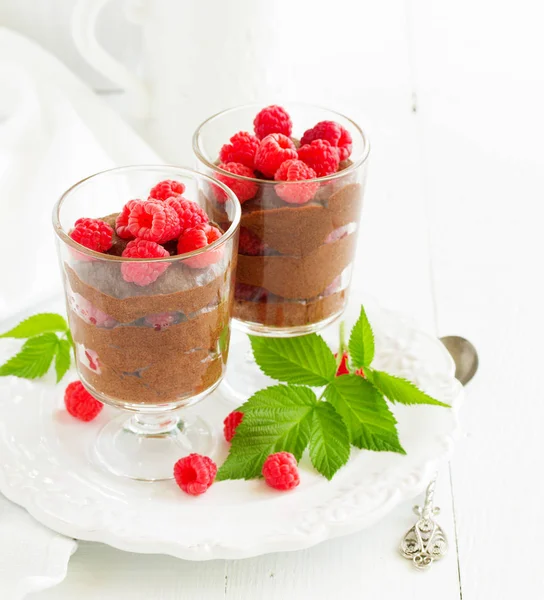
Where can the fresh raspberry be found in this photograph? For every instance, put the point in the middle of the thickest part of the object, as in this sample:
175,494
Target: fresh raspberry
161,321
195,473
272,119
89,313
230,424
79,403
241,149
143,273
332,132
274,150
189,213
250,244
243,189
199,237
250,293
297,193
153,221
280,471
121,223
321,156
93,234
166,189
343,366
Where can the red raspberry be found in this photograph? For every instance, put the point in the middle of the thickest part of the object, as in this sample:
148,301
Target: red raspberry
121,223
93,362
250,244
89,313
274,150
153,221
199,237
143,273
250,293
280,471
321,156
272,119
189,213
343,366
332,132
93,234
241,149
230,424
195,473
243,189
161,321
79,403
166,189
297,193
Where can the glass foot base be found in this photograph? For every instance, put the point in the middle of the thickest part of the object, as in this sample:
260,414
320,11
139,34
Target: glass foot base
146,447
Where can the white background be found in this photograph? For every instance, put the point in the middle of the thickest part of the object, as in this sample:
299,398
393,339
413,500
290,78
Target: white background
453,96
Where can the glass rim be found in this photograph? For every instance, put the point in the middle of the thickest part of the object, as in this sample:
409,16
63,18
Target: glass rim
225,236
355,165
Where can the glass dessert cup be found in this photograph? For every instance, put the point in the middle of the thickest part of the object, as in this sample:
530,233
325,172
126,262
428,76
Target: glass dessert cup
150,349
295,259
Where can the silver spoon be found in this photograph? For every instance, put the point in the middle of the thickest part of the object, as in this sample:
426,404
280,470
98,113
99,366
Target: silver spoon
425,542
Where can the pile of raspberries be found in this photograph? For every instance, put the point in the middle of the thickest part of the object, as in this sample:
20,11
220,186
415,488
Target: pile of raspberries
273,154
166,216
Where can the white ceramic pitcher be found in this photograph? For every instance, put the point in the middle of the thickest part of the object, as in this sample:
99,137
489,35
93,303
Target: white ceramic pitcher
202,56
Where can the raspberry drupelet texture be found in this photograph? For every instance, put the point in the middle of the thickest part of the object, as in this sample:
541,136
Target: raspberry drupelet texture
79,403
230,424
195,473
166,189
280,471
240,149
274,150
244,190
272,119
196,238
121,223
250,244
189,213
332,132
320,156
154,221
142,273
296,170
93,234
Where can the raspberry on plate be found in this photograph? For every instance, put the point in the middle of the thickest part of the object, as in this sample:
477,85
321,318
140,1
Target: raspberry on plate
280,471
94,234
274,150
321,156
272,119
79,403
240,149
299,193
153,221
166,189
195,473
143,273
121,222
332,132
230,424
189,213
250,244
243,189
196,238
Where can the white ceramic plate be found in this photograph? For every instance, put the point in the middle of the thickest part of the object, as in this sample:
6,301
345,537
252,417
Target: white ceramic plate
45,466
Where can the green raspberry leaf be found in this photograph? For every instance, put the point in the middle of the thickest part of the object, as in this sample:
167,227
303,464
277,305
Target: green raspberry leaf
275,419
62,358
329,440
365,412
361,342
34,359
400,390
301,360
41,323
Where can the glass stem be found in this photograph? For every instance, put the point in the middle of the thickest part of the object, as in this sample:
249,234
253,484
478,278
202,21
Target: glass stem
153,424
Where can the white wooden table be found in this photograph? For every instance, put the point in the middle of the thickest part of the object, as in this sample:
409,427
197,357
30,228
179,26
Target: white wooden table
452,235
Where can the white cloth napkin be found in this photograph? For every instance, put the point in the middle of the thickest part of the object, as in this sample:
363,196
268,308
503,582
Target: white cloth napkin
53,132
